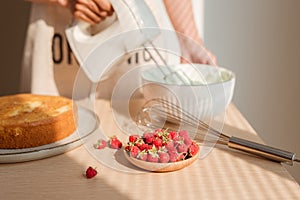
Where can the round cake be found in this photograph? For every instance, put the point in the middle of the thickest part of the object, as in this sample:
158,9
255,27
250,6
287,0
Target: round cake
28,120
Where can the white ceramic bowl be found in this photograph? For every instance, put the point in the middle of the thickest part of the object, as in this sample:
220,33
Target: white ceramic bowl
201,90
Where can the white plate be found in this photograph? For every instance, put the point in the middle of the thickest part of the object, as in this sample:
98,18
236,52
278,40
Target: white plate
87,124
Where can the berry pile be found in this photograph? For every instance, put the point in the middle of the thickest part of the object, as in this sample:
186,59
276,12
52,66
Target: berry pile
162,146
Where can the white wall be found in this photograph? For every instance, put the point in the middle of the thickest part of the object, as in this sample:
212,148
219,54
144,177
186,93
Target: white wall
260,41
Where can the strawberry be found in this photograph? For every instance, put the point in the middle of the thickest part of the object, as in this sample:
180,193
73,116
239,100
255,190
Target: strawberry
134,151
133,138
148,138
178,140
172,134
142,155
157,143
163,134
193,149
163,157
144,147
150,146
159,130
101,144
90,172
139,142
169,145
182,148
152,155
115,143
160,146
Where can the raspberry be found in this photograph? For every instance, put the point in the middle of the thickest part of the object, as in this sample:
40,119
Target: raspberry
187,141
101,144
128,148
161,146
163,157
172,150
183,133
152,157
178,140
115,143
90,172
173,157
182,148
169,145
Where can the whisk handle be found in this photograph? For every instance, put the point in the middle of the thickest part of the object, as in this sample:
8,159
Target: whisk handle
262,150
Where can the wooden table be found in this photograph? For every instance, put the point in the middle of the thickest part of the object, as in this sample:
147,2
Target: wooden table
223,174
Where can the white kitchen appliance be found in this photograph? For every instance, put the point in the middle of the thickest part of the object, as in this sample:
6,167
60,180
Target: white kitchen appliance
131,26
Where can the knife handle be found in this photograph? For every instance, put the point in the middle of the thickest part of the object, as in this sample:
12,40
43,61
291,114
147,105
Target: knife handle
262,150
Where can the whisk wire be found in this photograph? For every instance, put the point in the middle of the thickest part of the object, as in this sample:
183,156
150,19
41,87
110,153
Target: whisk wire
170,72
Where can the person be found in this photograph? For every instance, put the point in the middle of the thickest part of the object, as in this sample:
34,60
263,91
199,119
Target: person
49,66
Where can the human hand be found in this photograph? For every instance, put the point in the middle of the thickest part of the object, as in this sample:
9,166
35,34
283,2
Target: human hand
195,52
90,11
202,56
